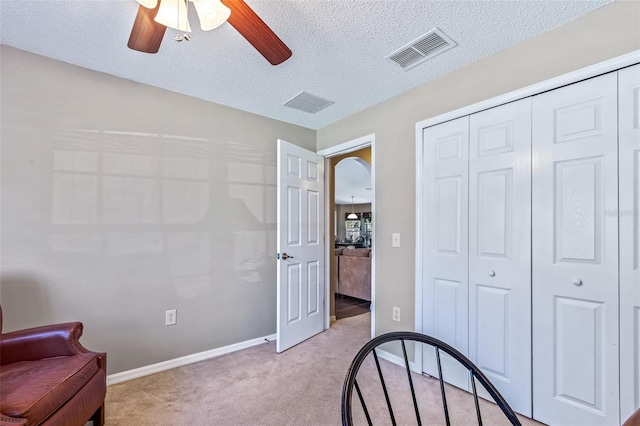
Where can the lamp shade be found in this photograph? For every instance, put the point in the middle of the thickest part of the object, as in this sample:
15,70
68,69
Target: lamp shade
149,4
173,14
212,13
353,214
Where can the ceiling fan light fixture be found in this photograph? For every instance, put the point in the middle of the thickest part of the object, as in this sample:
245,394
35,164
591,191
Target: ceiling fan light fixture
212,13
173,14
149,4
150,25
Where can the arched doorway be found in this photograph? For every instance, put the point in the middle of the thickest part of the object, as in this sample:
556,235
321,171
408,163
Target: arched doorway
352,226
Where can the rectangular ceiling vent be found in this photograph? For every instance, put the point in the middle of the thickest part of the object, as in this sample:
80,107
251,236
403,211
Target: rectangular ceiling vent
307,102
424,47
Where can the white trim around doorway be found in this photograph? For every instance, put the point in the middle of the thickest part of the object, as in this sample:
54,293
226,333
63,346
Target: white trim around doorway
345,148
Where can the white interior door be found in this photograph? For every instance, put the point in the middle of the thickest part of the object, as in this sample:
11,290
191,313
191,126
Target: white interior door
500,249
300,241
446,255
629,134
575,254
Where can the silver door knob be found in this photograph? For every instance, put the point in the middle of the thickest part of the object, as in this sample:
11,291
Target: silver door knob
577,282
492,273
285,256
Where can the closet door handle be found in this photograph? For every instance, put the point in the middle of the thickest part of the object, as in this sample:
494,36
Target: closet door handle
492,273
577,282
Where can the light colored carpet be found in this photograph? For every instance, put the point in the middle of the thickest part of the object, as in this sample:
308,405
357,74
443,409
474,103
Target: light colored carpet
301,386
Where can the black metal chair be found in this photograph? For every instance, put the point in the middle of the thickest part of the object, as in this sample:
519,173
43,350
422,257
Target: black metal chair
350,381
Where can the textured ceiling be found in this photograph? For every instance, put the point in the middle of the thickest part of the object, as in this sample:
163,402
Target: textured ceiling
338,47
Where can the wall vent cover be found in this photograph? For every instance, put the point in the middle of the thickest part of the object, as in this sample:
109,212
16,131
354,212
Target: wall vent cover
419,50
307,102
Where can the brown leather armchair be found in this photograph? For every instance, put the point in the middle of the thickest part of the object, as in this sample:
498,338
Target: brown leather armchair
48,378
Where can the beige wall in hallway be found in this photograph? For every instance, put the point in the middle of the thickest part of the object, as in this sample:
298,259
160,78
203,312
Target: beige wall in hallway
608,32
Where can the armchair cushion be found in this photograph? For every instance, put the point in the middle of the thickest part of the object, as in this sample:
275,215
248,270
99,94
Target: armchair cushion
35,389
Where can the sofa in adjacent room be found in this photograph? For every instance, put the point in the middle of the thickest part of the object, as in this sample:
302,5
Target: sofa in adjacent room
354,272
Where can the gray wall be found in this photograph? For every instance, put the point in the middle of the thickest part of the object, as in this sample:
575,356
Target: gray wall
606,33
121,200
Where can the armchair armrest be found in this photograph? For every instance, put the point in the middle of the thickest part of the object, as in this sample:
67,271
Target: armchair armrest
41,342
11,421
634,420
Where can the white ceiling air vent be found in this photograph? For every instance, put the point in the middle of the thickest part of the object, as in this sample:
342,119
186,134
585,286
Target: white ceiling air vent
308,103
424,47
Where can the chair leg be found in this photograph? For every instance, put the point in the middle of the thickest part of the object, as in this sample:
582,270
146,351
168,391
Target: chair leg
98,416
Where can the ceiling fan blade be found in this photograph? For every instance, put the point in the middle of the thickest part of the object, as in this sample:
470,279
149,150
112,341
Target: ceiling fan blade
146,34
251,27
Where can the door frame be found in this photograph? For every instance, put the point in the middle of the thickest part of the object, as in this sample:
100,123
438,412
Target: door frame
594,70
345,148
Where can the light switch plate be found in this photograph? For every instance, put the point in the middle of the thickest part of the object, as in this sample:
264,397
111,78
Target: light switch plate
395,239
396,314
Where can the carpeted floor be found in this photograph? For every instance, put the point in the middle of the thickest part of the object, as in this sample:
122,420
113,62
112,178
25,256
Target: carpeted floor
301,386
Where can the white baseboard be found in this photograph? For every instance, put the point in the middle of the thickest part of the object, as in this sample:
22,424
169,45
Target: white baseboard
397,360
123,376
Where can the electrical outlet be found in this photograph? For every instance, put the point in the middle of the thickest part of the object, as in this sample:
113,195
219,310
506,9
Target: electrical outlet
395,240
170,317
396,314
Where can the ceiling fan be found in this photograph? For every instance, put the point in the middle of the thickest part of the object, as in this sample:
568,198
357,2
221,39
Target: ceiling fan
154,16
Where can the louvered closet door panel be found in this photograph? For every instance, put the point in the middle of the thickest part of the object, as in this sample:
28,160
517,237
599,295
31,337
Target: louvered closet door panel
500,249
445,224
575,254
629,131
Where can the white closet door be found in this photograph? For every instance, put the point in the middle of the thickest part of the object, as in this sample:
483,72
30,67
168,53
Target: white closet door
629,131
445,286
500,249
575,254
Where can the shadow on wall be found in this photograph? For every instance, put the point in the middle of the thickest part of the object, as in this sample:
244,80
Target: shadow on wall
25,301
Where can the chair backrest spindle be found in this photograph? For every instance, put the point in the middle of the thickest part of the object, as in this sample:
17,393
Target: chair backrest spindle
442,392
475,397
413,392
384,388
364,406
